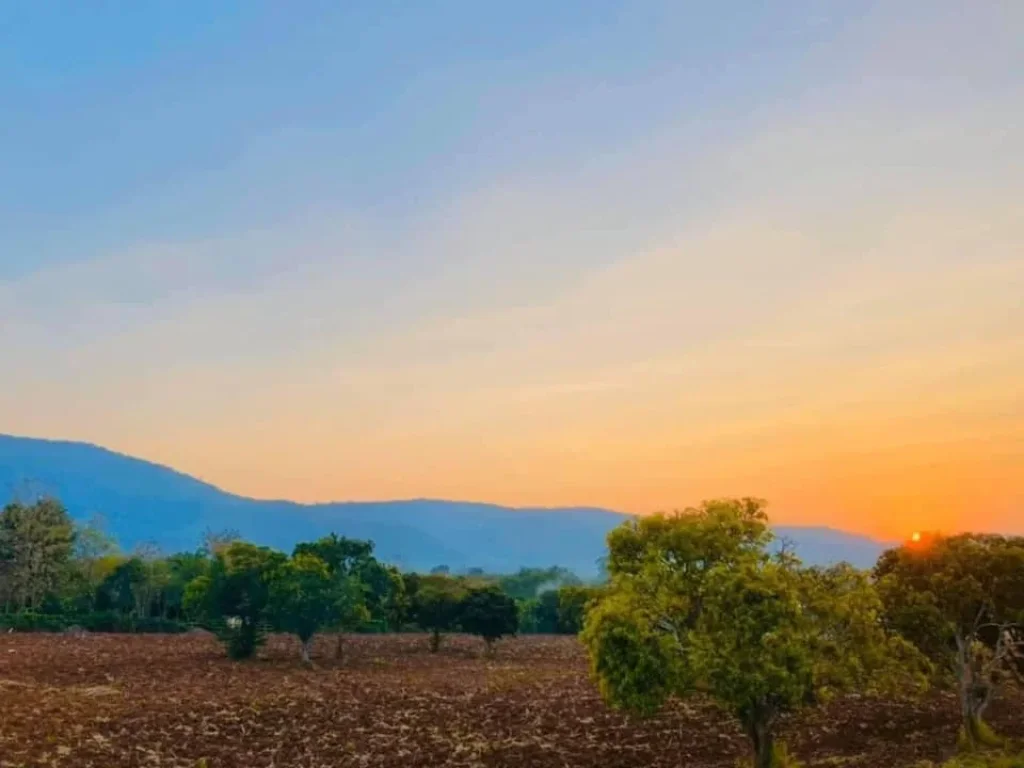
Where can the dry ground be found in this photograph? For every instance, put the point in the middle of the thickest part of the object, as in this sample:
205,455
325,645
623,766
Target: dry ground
109,701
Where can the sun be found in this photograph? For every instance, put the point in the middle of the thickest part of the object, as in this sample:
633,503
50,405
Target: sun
915,536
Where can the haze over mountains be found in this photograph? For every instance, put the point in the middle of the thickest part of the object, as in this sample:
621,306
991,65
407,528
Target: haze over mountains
144,502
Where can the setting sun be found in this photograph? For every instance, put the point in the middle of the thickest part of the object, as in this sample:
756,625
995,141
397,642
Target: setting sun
915,536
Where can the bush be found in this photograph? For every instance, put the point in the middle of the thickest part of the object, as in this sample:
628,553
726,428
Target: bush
96,621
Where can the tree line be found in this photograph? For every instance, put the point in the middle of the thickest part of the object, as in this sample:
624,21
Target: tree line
56,574
696,603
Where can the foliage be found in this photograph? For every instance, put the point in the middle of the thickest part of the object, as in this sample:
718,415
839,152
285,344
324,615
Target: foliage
573,604
117,592
696,605
93,621
540,615
383,591
960,600
234,596
557,611
488,612
435,605
304,598
36,544
529,583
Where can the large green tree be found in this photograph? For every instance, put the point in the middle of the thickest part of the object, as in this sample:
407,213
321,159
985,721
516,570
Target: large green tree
382,585
304,599
960,599
697,605
362,587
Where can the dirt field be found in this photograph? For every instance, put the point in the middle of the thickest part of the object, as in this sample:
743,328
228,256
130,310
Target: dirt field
109,701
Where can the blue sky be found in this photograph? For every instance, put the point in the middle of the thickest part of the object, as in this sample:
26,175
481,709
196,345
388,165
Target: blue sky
184,120
356,250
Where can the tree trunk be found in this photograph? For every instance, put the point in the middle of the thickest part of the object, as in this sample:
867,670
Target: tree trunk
759,724
305,648
975,693
435,641
339,647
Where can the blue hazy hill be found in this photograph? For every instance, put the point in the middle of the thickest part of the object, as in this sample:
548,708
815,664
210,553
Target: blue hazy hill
141,501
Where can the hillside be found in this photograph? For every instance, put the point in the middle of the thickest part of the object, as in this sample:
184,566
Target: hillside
141,501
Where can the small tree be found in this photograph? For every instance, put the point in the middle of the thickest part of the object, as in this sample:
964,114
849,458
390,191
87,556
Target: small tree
360,583
303,599
435,605
234,596
489,613
960,600
696,605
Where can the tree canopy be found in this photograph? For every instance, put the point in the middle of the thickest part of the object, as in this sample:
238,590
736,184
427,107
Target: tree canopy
489,613
36,543
960,600
235,595
697,605
435,605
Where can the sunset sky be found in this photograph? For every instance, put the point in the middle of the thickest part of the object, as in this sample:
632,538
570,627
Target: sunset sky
620,254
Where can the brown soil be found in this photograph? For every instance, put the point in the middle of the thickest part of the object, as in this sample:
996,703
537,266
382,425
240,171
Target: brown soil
109,701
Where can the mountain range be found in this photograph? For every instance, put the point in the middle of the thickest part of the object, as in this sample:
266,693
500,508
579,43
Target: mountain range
144,502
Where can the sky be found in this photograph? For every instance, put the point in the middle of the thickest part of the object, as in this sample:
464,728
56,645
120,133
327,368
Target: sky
631,255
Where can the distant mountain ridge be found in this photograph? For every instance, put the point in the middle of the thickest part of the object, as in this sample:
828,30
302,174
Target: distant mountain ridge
142,501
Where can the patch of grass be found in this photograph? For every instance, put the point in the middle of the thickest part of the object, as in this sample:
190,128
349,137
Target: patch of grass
986,738
980,760
781,758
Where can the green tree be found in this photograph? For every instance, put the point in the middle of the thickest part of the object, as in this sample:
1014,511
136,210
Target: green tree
489,613
573,602
557,611
540,615
36,544
435,605
363,587
149,592
960,600
234,596
122,589
382,585
340,554
304,599
697,605
183,568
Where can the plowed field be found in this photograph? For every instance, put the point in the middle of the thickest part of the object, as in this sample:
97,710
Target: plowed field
109,701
